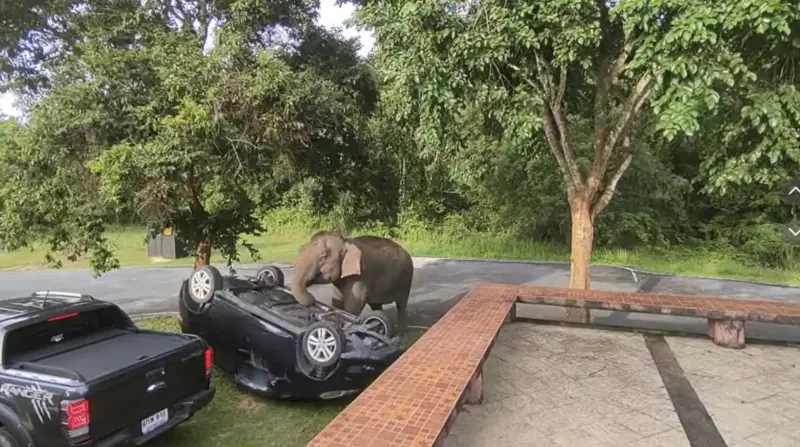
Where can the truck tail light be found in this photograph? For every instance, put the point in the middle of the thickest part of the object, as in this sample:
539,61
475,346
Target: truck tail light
75,417
209,361
62,317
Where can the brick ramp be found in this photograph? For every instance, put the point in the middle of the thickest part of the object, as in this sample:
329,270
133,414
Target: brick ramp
413,402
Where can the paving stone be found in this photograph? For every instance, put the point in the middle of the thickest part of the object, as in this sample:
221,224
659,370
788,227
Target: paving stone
603,390
579,437
749,393
642,424
508,431
670,438
614,434
745,443
773,439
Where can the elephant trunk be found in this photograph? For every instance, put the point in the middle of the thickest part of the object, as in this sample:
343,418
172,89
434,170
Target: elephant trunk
304,272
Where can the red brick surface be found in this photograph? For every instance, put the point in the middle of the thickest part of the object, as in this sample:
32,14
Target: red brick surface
410,403
683,305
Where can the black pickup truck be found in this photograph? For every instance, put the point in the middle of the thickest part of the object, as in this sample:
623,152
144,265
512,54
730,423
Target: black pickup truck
76,371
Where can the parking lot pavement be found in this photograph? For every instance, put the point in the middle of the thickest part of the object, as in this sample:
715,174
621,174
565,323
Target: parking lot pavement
553,386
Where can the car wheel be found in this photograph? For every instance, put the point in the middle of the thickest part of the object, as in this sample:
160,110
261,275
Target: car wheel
7,439
204,283
379,322
322,344
271,276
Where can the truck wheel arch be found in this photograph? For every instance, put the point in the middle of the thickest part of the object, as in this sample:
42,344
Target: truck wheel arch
11,422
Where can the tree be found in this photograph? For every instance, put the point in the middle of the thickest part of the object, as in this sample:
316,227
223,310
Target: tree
183,110
530,69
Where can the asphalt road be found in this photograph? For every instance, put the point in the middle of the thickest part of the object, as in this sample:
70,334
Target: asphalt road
438,285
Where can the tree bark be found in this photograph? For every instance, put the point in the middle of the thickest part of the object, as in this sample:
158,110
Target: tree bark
581,256
203,257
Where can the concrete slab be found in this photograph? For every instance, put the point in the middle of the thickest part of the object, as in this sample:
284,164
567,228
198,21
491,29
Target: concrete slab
753,395
554,386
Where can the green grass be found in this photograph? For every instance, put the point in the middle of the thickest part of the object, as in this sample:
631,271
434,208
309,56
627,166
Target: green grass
237,419
281,246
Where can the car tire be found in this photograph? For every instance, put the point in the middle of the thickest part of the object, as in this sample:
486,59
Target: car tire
322,344
7,439
379,322
203,284
271,276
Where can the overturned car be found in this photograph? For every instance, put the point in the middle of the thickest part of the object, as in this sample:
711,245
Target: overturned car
273,346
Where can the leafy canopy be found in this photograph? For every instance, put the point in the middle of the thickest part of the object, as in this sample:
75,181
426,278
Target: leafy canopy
184,112
449,65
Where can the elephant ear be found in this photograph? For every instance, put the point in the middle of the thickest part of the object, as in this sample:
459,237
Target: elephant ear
351,261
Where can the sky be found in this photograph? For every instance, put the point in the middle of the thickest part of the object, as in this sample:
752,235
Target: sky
330,16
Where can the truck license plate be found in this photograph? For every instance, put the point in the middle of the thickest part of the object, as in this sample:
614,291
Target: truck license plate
153,422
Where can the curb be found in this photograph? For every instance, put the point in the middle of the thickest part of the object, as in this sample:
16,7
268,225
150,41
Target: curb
633,270
144,316
630,270
711,278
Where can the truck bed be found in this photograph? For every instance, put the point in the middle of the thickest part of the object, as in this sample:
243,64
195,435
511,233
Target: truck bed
107,352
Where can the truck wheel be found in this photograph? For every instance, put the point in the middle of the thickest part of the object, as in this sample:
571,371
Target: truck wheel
378,321
6,439
204,283
271,276
322,344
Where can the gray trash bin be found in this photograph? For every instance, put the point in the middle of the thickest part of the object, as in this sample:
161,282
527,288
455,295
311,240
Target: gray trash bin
166,245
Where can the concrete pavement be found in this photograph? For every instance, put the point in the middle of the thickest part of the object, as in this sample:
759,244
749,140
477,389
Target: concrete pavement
550,386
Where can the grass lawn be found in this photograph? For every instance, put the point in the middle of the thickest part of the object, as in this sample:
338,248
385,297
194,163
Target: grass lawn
237,419
282,247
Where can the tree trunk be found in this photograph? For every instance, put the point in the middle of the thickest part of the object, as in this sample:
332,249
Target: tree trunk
203,257
581,256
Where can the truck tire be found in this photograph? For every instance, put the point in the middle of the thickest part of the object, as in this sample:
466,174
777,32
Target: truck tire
7,439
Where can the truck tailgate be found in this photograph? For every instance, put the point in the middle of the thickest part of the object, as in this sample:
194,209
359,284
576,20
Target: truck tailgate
135,375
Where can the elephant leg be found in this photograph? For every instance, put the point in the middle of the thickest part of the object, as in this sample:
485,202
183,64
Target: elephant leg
354,295
376,306
402,305
337,300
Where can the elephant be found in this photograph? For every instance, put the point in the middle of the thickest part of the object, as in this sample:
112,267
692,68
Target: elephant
365,269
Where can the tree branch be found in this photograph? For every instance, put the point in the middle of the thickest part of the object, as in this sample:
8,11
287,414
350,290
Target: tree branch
611,187
554,136
204,21
554,100
621,63
555,147
630,110
607,77
186,21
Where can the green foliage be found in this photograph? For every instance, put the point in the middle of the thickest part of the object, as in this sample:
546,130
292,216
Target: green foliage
243,116
141,116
